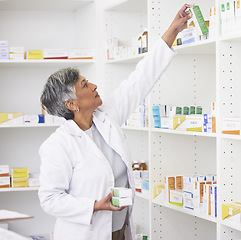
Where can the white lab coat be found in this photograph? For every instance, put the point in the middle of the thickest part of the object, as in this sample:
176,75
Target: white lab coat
74,172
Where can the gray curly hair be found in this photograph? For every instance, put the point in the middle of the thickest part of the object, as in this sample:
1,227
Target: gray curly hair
59,88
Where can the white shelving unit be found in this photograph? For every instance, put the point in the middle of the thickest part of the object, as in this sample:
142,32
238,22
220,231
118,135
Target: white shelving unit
36,25
200,73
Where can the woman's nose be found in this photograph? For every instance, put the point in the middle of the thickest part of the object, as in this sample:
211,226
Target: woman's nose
93,87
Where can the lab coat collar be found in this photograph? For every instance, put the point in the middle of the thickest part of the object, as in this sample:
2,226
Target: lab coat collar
101,121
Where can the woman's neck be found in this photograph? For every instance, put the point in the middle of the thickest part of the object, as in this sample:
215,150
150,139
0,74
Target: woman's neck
84,121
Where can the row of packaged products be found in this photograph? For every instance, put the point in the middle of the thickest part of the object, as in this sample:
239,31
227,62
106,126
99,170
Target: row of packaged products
17,177
19,53
186,118
139,118
117,50
197,192
230,14
141,180
18,118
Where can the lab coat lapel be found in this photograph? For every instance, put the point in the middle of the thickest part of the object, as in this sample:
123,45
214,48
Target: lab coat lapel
103,125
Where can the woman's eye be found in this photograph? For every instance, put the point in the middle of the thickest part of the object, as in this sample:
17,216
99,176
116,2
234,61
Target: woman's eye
85,85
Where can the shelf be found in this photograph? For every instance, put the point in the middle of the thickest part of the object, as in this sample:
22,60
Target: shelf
232,137
133,59
127,6
231,224
40,125
44,63
236,37
200,134
135,128
47,5
186,211
142,195
203,47
19,189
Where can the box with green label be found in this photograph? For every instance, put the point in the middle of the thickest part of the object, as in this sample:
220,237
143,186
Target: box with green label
122,192
198,20
121,202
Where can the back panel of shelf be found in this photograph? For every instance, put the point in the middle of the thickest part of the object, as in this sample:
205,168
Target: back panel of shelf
180,155
141,216
189,79
227,233
172,225
138,144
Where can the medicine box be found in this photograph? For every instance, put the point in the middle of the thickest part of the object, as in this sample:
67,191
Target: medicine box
145,186
138,184
188,200
122,192
4,182
198,20
231,125
157,190
31,119
33,182
80,54
4,170
55,54
19,172
176,197
19,182
189,35
16,50
121,202
169,185
11,118
34,54
231,211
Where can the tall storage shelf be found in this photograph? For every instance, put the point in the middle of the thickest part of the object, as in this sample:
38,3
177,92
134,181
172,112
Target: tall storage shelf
36,25
200,73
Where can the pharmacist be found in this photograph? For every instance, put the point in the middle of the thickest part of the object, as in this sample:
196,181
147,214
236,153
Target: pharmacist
88,154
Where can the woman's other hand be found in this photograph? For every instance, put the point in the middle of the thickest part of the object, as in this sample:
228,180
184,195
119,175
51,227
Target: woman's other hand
105,204
177,25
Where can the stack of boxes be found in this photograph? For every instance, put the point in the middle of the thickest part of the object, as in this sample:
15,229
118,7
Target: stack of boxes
4,176
16,53
4,54
197,193
139,118
186,118
19,177
122,197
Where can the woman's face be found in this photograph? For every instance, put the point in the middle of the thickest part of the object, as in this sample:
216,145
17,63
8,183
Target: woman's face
86,94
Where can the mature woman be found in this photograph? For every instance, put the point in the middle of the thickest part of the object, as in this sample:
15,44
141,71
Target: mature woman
88,154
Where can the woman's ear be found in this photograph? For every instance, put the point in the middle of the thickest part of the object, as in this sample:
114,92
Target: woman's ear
71,105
